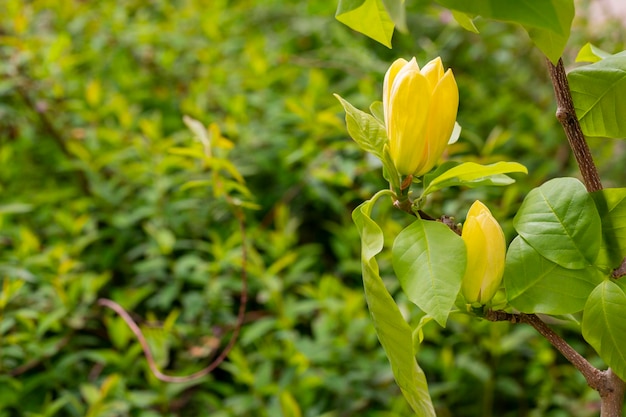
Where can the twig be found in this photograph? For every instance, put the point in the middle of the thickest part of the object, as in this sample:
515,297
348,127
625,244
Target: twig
593,376
566,114
620,271
240,319
610,387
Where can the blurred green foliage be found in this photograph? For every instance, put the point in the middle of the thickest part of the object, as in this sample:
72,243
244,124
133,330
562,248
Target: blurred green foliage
102,194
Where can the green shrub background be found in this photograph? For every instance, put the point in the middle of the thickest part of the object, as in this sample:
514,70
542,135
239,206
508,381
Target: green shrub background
95,202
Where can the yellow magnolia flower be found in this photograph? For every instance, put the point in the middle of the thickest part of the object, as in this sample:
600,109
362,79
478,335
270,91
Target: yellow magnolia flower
420,109
486,251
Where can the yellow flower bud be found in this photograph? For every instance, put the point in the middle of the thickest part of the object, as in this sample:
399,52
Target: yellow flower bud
420,108
486,250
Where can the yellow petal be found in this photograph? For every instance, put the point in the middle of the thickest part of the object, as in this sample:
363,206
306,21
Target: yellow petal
495,256
475,242
442,115
390,76
486,250
408,111
433,71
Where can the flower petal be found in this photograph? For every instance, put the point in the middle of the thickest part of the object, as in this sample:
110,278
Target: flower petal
390,76
443,111
408,112
433,71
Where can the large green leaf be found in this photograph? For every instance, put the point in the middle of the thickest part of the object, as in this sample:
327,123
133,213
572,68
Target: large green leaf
611,204
598,91
393,331
536,285
429,260
561,222
604,326
471,174
549,42
547,22
365,129
370,17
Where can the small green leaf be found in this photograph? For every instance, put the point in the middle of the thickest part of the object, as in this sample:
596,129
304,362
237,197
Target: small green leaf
604,326
289,405
611,204
418,331
376,108
465,21
369,17
591,53
471,174
429,260
598,91
390,172
396,10
365,129
547,22
394,333
536,285
561,222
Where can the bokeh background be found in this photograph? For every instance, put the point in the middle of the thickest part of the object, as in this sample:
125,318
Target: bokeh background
95,168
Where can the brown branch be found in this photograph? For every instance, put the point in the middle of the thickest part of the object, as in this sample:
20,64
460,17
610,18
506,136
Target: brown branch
566,114
240,319
612,397
406,205
620,271
593,376
610,387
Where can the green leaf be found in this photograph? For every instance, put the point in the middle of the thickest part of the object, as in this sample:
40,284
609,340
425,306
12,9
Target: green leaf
396,10
471,174
561,222
377,110
550,43
598,92
393,331
611,204
370,17
465,21
604,326
429,260
365,129
390,172
547,22
536,285
447,165
591,53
